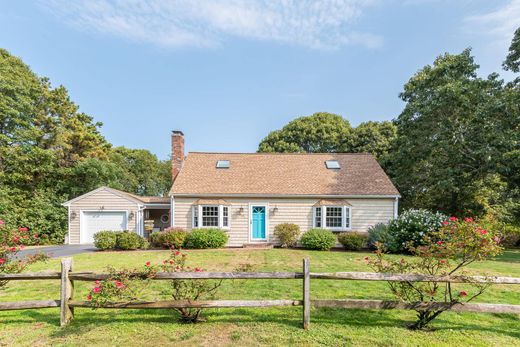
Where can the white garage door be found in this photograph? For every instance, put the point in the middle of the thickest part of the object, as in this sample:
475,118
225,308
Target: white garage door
97,221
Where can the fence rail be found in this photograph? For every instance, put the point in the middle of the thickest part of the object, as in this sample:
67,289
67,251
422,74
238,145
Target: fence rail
67,302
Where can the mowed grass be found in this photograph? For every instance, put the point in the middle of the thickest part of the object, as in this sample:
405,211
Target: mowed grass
256,326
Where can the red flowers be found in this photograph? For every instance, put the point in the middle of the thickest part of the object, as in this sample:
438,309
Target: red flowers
445,222
22,229
119,284
198,269
483,231
453,219
2,222
463,293
439,242
366,258
468,220
148,263
89,297
2,260
177,252
12,249
96,289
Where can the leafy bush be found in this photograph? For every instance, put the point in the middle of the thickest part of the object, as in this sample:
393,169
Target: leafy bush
379,233
445,252
10,261
352,241
127,240
411,227
172,238
287,233
206,238
155,238
510,236
319,239
106,239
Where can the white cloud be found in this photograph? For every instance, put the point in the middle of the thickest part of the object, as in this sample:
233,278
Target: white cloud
501,22
320,24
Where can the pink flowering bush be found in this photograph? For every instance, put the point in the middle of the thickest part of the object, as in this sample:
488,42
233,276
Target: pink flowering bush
9,248
124,286
445,252
120,286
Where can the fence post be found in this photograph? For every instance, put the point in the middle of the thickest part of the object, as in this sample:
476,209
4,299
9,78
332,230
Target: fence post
67,291
306,294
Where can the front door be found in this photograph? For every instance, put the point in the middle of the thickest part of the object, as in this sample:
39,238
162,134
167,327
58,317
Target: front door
258,222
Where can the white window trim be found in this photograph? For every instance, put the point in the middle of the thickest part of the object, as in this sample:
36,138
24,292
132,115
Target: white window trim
346,211
198,208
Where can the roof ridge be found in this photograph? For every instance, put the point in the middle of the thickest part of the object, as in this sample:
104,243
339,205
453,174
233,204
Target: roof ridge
278,153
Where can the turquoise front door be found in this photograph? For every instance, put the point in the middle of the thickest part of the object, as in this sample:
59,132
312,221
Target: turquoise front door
258,222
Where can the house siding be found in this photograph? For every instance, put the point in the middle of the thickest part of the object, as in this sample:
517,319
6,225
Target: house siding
101,200
365,213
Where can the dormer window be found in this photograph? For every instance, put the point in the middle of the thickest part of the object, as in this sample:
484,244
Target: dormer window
332,164
223,164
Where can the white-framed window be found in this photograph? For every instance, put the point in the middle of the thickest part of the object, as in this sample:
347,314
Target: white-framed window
225,216
335,218
210,216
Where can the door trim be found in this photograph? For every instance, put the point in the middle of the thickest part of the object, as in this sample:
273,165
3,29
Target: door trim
266,206
82,221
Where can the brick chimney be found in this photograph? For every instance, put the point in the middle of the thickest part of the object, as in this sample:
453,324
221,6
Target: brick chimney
177,152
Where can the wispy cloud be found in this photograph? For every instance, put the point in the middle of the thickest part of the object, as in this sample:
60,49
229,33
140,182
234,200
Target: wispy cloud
501,22
318,24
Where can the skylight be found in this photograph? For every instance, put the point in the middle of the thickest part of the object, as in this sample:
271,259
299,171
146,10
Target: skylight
223,164
332,164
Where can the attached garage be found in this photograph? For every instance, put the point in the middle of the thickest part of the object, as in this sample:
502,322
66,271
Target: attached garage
103,209
93,222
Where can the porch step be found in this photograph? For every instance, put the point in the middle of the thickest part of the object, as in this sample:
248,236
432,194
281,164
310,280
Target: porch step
258,245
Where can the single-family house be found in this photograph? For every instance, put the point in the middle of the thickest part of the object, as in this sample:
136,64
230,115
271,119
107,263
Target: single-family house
247,195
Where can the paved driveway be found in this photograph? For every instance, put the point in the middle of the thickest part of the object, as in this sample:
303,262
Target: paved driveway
59,251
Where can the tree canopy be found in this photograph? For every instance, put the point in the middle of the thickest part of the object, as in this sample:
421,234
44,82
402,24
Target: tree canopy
327,132
51,152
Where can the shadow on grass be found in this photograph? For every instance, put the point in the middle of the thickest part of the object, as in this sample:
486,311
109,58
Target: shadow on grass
509,256
86,321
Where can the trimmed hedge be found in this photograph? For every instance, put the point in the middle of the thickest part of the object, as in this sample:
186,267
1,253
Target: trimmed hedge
352,241
318,239
125,240
206,238
287,233
106,239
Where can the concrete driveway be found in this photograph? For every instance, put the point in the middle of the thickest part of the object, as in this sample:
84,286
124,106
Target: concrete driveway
59,250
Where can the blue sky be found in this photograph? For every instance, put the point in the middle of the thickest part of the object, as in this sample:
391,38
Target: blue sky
228,72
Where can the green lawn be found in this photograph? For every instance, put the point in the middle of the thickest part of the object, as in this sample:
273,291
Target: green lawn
257,326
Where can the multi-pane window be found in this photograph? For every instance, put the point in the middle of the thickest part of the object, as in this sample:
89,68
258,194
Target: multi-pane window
195,216
210,216
334,217
225,216
317,217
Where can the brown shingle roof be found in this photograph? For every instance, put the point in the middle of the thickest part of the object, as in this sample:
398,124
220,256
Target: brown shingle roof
282,174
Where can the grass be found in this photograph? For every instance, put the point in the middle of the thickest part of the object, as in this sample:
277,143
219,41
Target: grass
256,326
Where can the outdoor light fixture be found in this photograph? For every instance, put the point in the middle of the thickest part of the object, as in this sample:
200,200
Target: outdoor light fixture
241,210
73,215
131,215
275,209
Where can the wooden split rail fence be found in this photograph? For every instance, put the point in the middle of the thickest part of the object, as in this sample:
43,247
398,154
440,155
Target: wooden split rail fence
67,302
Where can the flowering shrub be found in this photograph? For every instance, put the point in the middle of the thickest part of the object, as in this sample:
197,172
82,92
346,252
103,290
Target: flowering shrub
412,226
9,262
120,286
124,286
188,290
170,238
442,253
18,236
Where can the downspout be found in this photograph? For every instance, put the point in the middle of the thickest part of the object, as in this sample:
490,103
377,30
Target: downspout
140,220
396,207
172,212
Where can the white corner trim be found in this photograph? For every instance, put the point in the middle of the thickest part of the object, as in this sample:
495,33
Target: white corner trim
396,207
